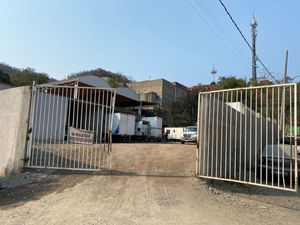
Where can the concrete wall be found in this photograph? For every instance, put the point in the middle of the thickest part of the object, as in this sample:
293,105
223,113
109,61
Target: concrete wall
14,113
148,86
166,91
180,91
167,94
148,96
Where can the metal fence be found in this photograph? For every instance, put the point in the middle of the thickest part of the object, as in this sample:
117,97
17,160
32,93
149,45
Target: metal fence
70,127
249,135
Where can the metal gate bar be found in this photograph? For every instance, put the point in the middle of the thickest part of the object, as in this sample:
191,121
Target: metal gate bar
249,135
70,127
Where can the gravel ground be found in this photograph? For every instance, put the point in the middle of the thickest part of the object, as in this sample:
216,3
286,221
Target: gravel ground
147,184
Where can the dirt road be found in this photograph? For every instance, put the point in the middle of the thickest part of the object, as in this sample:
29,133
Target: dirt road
149,184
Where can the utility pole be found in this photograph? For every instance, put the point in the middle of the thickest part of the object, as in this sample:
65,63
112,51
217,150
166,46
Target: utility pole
285,66
253,24
283,92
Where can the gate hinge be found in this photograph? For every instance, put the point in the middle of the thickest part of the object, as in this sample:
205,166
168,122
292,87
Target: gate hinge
28,133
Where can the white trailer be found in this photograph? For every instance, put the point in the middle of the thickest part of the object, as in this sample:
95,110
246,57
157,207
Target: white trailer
123,124
155,122
155,125
126,128
156,132
174,133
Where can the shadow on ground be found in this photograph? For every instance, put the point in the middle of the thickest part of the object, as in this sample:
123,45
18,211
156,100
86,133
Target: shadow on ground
50,181
248,189
284,199
54,181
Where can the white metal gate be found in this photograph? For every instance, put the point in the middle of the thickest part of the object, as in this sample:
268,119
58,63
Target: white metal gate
249,135
70,127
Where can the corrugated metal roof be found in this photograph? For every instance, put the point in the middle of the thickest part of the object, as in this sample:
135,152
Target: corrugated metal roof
129,93
89,80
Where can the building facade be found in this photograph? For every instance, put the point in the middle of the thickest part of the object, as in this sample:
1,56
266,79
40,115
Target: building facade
160,91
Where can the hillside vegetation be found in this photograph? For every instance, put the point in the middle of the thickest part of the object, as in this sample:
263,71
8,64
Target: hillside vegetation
21,77
114,79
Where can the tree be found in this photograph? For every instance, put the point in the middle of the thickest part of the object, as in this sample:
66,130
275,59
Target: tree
27,76
184,113
231,82
4,77
8,69
116,81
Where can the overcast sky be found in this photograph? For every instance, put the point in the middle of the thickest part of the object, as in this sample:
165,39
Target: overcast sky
179,40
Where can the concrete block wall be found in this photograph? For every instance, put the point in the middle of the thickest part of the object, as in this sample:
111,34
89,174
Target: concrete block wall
148,96
167,94
148,86
166,91
14,114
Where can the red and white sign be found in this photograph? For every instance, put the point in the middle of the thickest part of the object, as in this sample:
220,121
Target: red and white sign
78,136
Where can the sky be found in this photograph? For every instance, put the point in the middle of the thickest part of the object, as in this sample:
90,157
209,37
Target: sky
178,40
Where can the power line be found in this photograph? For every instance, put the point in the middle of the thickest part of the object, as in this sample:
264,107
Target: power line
221,28
213,30
239,30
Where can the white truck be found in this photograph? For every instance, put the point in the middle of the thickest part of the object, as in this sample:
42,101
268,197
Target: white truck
155,125
126,128
142,128
174,133
189,134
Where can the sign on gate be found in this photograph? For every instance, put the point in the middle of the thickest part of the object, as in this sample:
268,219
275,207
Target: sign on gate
78,136
249,135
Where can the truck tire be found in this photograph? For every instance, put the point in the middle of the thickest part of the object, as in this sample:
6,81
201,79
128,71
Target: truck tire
182,142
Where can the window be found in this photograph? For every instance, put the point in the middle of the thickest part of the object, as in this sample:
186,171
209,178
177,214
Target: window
191,129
